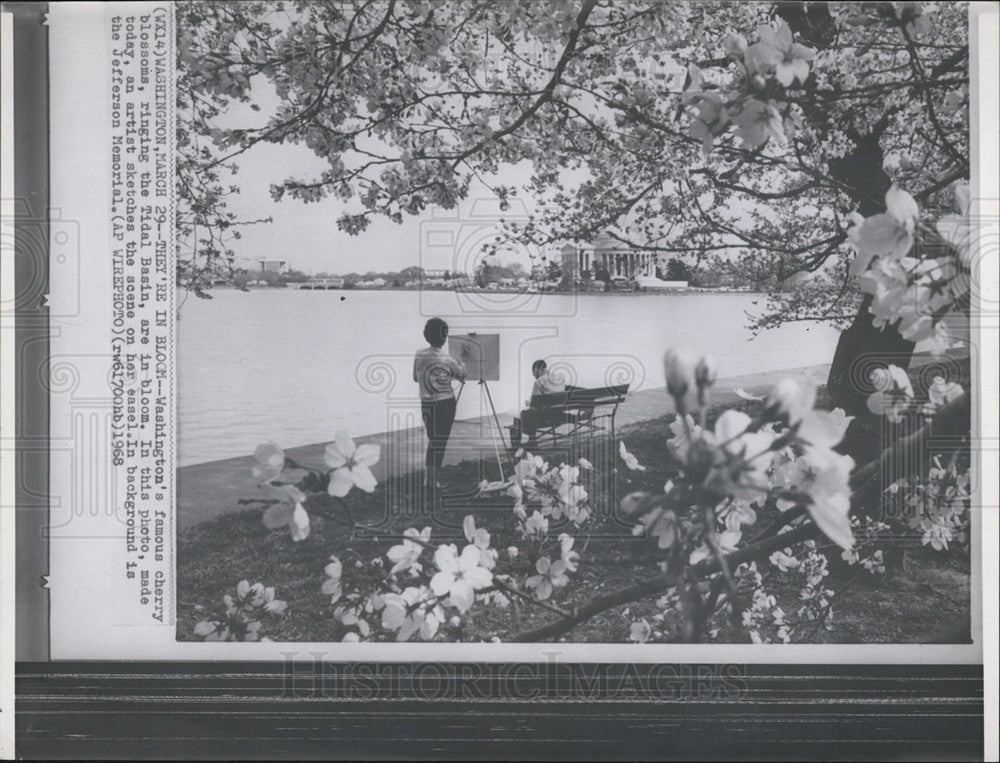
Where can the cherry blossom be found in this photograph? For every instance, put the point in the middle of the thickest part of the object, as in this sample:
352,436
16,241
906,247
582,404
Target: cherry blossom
684,432
407,612
271,604
404,556
744,449
888,235
551,575
478,536
270,460
824,429
758,122
660,524
569,556
460,576
826,481
351,464
640,631
957,230
630,461
784,560
291,513
516,492
778,50
850,555
332,585
875,563
536,527
240,622
210,630
349,616
893,391
823,477
256,596
727,542
736,513
572,495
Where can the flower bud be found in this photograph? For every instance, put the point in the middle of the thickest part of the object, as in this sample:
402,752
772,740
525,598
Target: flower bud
705,372
677,367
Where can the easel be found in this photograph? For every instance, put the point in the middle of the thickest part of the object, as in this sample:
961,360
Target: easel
497,435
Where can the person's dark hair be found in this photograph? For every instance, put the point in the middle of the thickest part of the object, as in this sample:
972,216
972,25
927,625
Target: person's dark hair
435,332
538,364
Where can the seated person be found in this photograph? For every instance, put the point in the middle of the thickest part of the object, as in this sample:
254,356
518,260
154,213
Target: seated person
535,416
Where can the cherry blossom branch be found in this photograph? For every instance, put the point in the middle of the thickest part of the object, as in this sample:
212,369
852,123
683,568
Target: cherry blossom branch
529,598
952,420
500,585
661,583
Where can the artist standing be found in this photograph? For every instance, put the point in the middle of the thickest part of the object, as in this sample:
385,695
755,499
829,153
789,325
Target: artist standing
434,370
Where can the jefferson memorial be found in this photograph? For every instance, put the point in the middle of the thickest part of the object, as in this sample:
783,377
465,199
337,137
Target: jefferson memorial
620,261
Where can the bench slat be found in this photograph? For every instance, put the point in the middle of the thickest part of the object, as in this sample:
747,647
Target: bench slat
578,397
580,405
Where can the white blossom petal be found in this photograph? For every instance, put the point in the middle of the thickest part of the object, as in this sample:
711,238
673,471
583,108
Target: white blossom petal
367,454
341,482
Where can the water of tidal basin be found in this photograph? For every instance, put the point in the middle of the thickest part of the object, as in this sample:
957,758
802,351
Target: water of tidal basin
297,366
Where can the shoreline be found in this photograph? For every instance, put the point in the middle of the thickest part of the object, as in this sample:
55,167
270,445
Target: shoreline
213,488
689,291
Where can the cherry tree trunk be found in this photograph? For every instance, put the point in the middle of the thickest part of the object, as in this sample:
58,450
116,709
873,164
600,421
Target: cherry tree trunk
863,346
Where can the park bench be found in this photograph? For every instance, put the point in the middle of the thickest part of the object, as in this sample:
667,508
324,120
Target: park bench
577,413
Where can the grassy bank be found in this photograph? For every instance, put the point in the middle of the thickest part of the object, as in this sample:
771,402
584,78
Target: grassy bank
215,555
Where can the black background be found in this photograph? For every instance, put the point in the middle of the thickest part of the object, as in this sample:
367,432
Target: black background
239,710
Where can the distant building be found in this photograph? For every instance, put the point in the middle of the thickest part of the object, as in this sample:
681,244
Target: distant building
272,266
607,254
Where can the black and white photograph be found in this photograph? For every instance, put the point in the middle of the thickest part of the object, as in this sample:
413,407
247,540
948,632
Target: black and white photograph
634,323
529,379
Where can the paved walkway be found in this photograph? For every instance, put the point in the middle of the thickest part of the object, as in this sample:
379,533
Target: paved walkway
205,491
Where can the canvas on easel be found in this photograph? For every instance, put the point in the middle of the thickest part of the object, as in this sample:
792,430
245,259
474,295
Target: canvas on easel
479,352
